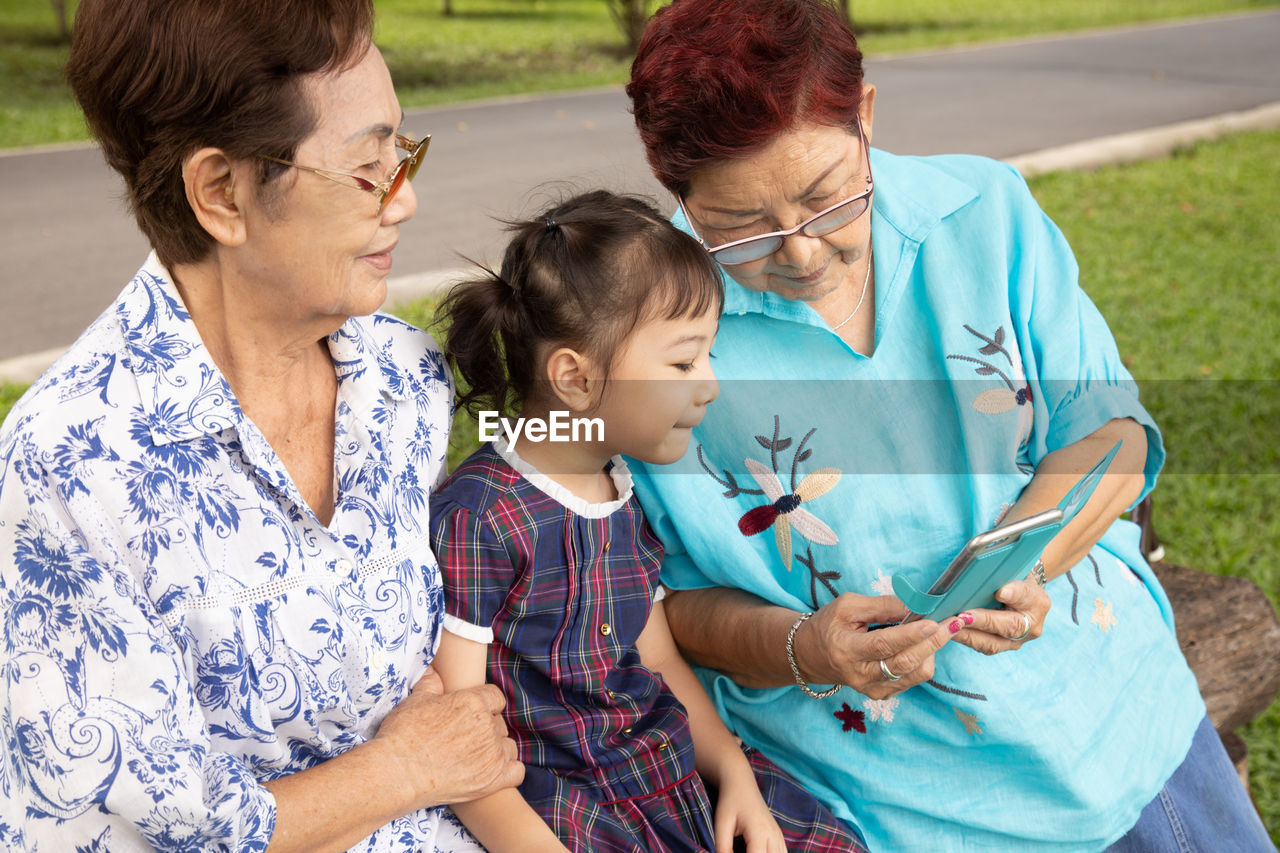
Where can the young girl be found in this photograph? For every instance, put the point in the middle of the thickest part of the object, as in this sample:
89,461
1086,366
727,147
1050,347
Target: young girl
604,311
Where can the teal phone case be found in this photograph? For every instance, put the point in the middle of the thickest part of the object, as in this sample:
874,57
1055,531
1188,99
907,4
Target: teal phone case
977,585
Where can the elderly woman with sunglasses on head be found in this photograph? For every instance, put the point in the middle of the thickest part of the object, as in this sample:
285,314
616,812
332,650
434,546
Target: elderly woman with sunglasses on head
220,602
906,359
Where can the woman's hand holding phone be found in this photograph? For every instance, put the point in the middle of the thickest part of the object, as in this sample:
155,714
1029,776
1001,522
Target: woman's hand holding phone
837,647
1026,605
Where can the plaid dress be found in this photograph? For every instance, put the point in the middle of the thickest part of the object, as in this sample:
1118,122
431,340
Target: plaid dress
560,590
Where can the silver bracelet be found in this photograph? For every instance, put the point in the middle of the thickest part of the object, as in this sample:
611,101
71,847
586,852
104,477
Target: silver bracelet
1038,571
795,667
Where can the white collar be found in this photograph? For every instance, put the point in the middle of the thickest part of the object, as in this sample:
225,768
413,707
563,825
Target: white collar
621,480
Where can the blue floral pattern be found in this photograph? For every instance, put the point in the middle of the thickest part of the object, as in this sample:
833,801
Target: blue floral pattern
178,626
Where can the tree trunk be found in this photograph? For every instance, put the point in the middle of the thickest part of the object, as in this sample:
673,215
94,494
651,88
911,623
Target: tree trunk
631,17
60,12
1231,638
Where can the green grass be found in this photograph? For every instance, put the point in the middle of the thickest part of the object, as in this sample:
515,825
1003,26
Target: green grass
503,47
1182,256
889,26
498,47
35,103
9,394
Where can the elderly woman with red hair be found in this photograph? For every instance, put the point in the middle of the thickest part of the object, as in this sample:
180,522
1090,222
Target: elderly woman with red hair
906,359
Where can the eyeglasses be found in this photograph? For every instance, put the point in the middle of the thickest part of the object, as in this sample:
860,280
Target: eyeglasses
823,222
386,190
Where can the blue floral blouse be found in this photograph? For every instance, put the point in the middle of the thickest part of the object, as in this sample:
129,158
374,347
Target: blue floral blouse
820,471
179,627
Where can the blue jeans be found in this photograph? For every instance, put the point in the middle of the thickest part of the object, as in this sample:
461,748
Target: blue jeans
1203,808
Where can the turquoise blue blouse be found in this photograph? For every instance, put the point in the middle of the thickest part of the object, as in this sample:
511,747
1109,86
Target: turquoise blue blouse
988,356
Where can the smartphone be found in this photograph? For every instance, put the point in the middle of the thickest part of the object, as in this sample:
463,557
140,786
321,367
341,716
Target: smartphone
990,560
988,542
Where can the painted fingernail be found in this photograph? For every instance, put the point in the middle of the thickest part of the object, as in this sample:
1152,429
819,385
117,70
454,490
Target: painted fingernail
967,617
954,626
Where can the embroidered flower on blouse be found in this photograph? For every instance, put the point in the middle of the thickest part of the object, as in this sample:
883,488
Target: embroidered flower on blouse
1102,616
785,511
881,709
851,719
1127,573
883,584
970,721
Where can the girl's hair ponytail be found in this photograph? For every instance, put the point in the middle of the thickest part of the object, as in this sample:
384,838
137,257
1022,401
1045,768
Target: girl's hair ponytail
481,314
582,274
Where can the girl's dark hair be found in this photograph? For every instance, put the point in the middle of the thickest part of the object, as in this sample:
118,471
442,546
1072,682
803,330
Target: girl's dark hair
582,274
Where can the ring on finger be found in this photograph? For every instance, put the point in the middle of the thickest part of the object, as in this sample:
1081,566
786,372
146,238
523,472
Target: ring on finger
1026,628
888,673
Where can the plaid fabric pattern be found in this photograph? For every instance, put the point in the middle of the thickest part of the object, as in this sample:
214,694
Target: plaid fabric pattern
607,748
677,819
567,597
807,825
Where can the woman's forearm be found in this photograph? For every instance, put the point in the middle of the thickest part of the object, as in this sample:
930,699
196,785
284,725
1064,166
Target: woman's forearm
734,632
1060,470
333,805
431,749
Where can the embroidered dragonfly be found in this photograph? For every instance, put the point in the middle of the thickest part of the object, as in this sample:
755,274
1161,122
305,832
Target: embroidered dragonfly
1017,392
785,512
996,401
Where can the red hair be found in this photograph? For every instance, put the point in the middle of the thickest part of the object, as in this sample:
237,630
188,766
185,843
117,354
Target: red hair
716,80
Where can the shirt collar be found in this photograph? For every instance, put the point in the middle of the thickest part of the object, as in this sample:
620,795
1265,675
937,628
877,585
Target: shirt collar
618,471
182,392
911,197
365,370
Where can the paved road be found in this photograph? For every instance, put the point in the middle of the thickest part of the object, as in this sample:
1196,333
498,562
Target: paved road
68,244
